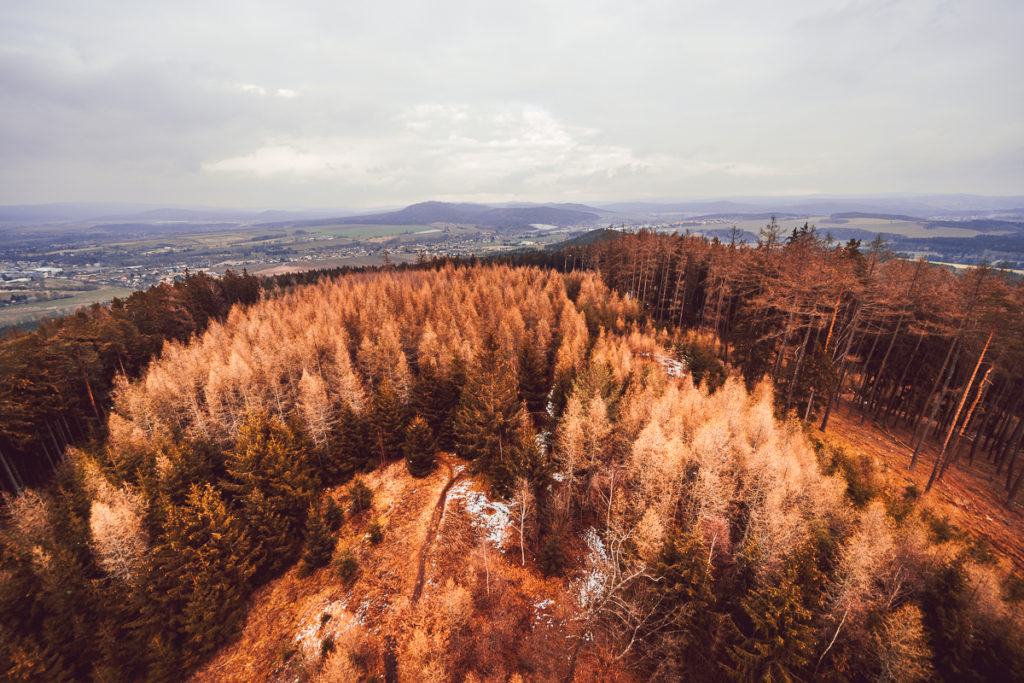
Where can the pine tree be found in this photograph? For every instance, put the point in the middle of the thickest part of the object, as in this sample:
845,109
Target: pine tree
533,382
419,448
777,639
492,427
270,478
685,606
387,424
319,542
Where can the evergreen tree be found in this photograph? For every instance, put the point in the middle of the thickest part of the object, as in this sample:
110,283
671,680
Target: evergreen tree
685,607
387,426
492,427
271,481
334,515
436,399
319,542
946,608
360,496
534,384
776,640
348,449
199,579
419,448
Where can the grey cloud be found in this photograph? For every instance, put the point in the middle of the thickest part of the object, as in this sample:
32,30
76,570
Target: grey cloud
659,98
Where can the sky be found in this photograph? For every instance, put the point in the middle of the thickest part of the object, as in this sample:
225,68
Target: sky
369,104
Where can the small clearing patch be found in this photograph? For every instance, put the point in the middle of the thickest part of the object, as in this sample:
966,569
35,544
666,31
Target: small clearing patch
492,517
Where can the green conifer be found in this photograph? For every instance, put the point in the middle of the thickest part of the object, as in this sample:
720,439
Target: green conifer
419,448
270,478
685,605
360,496
387,425
533,382
492,426
319,542
777,640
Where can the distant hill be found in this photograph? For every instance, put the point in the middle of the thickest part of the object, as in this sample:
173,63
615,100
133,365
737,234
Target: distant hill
923,206
476,214
592,237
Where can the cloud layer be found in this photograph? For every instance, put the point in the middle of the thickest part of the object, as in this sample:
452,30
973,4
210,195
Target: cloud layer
330,104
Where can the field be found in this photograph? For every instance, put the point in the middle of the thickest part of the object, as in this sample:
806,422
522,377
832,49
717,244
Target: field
21,314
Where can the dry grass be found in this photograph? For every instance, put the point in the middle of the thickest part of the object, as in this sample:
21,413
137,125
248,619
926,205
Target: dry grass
482,615
972,498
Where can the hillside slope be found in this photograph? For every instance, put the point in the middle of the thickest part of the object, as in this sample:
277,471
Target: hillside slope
477,474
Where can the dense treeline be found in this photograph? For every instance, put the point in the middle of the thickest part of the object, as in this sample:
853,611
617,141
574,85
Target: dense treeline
718,542
940,351
55,381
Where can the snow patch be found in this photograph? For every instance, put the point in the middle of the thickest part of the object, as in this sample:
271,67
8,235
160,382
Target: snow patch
589,588
492,517
673,367
313,628
540,615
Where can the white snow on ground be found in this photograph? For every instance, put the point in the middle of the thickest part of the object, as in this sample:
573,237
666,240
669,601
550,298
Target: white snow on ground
313,630
591,585
492,517
673,367
540,615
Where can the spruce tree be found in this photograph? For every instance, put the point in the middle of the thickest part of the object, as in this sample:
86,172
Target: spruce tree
685,606
348,448
388,419
319,542
199,579
419,448
436,399
271,480
533,382
776,641
360,496
492,426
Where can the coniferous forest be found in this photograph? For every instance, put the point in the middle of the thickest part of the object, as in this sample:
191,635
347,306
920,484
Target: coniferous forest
647,408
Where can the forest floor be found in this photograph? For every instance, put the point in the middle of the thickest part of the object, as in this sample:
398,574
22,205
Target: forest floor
972,497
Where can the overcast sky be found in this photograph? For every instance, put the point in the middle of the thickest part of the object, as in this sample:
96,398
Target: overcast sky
359,104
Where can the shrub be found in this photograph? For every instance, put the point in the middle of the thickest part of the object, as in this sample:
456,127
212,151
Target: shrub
360,496
346,565
375,531
334,515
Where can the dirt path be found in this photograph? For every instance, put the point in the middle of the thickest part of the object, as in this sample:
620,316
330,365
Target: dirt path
432,527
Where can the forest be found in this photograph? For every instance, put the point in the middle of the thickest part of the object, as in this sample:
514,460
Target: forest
651,407
937,350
